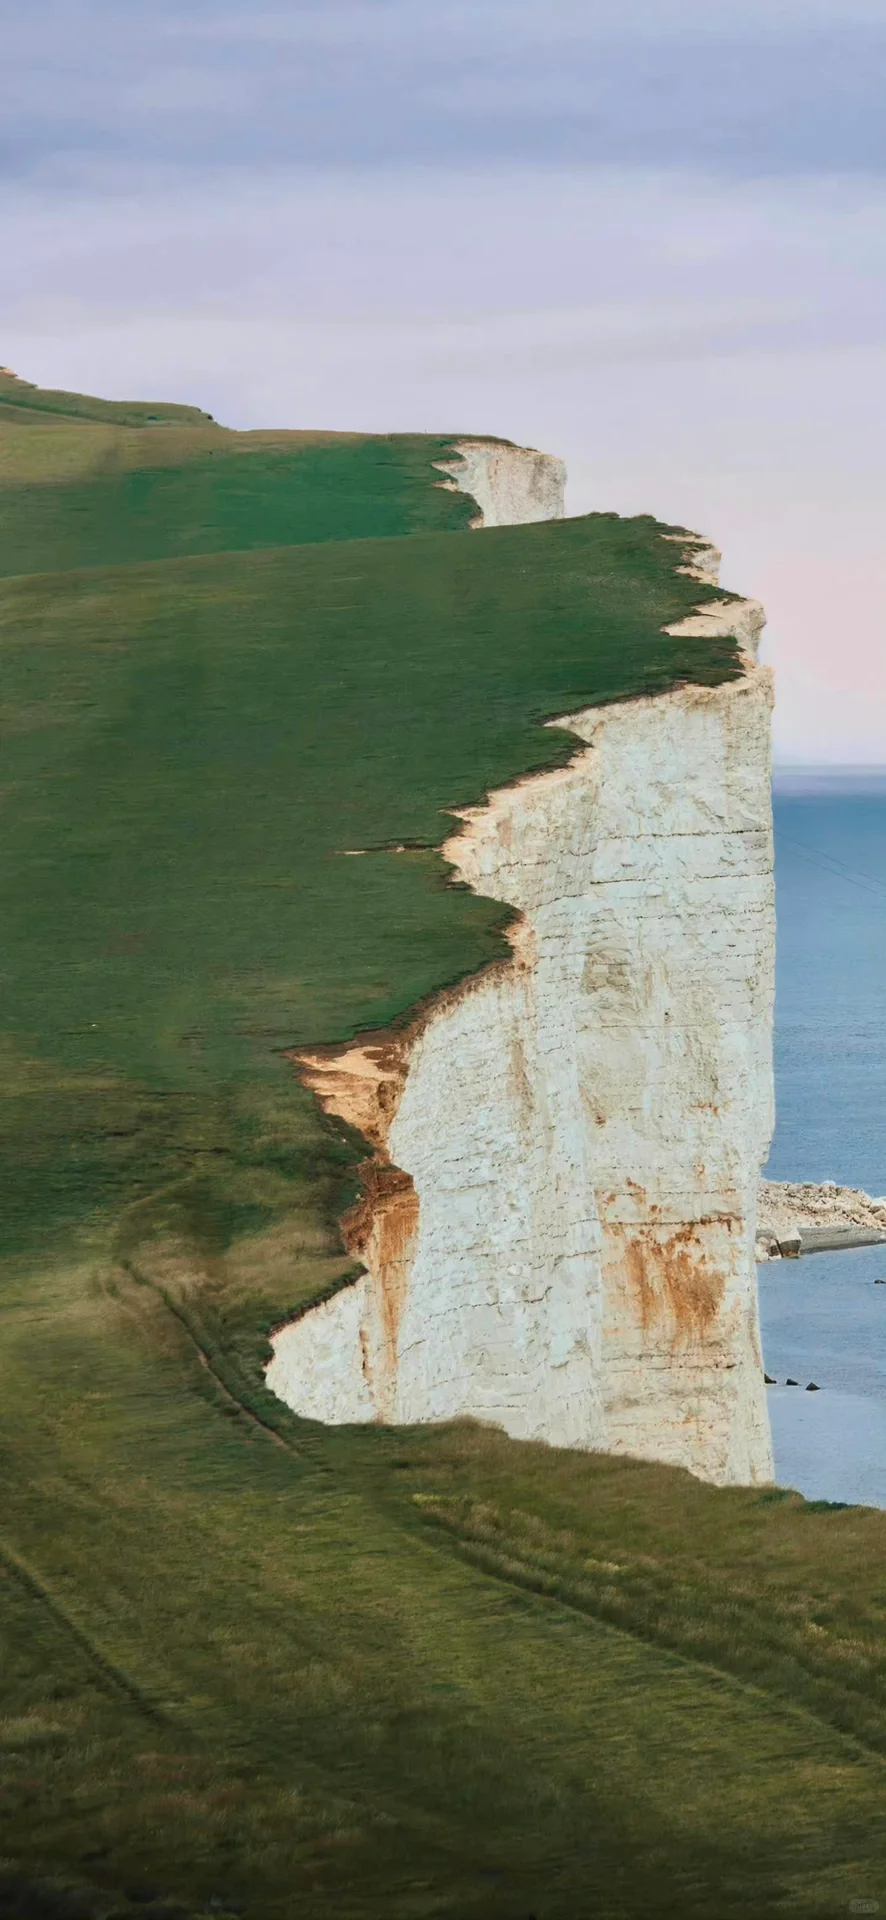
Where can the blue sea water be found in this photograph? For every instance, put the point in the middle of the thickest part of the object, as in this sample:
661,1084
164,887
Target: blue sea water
823,1317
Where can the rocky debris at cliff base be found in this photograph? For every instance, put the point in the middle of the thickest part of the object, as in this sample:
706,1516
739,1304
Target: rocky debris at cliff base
800,1217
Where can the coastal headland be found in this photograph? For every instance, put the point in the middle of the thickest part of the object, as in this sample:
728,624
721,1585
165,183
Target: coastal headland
304,765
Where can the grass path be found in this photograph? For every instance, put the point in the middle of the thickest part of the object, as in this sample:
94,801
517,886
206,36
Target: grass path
354,1713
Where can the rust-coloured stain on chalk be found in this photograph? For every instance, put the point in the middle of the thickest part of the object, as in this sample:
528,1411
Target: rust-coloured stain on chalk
361,1083
380,1230
671,1274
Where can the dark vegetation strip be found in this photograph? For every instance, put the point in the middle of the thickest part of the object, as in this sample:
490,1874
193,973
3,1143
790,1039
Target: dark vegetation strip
762,1678
111,1676
764,1654
207,1358
760,1583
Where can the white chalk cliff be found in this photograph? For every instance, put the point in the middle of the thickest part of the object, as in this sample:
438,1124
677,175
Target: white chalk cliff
557,1224
512,486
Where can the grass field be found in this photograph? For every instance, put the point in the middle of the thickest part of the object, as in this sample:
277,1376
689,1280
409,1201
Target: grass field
249,1665
87,483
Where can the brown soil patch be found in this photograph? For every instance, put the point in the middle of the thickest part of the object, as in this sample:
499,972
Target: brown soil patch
360,1084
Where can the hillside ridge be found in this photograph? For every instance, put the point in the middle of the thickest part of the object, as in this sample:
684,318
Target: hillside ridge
277,773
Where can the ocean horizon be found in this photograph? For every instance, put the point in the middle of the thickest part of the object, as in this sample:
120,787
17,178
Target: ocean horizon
823,1317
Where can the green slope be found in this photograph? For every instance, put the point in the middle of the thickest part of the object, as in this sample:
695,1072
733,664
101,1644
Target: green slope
208,493
22,401
192,748
91,483
250,1665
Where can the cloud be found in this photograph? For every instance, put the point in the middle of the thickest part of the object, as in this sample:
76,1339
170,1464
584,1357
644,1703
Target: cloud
328,22
792,86
626,258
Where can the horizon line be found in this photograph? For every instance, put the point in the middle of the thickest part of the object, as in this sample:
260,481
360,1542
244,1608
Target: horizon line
829,766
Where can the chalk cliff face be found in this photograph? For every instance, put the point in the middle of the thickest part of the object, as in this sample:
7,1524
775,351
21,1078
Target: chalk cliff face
558,1220
511,485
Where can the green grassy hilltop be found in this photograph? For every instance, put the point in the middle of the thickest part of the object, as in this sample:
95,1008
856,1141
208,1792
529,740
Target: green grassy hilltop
93,483
250,1665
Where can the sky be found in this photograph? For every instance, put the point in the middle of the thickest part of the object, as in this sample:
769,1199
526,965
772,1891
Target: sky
648,235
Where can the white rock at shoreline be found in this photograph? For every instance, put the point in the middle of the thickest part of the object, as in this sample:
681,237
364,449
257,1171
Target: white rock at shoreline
786,1209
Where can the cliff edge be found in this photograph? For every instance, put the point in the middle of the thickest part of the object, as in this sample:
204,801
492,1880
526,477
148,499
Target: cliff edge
511,486
557,1222
231,661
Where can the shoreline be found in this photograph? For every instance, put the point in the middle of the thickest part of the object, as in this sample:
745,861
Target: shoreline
839,1239
797,1218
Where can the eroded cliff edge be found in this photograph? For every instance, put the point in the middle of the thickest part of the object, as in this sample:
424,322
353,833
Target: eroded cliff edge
511,486
557,1223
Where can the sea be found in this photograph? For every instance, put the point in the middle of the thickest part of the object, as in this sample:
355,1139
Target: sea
823,1317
